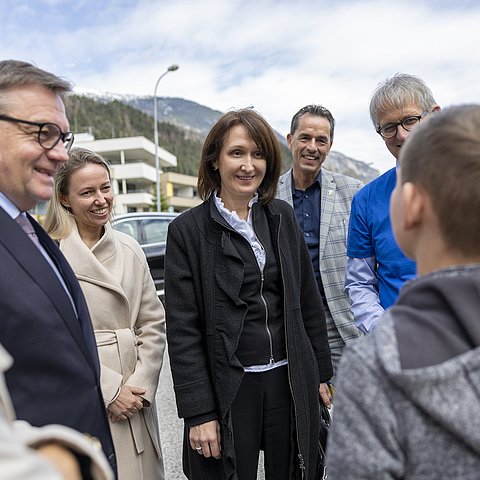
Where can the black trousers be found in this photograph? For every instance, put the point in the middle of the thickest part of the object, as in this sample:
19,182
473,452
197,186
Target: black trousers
261,419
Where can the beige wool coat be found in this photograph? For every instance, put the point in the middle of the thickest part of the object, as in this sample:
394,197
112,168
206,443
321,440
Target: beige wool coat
128,319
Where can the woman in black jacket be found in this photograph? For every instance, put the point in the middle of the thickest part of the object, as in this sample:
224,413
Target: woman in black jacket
245,323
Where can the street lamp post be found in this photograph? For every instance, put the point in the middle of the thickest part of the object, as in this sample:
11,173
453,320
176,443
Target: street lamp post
171,68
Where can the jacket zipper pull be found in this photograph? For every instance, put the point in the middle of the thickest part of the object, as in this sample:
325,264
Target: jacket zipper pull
302,464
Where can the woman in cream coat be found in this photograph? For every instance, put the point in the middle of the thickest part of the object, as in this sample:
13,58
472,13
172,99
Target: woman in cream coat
128,317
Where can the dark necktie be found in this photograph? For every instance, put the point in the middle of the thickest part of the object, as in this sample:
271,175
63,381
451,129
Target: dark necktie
27,227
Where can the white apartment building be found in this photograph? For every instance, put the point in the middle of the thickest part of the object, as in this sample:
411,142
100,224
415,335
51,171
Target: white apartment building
132,161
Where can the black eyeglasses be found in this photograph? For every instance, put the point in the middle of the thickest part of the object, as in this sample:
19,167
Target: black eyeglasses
49,134
390,129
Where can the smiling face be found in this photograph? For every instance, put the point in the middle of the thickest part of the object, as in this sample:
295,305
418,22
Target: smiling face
310,144
27,169
395,143
241,166
89,197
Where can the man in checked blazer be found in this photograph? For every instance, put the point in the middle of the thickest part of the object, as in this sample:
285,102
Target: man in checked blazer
321,200
44,322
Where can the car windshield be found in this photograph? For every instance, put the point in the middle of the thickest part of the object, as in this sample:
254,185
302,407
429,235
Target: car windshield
155,230
130,228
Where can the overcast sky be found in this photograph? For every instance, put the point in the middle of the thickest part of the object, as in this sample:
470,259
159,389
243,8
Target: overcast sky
274,55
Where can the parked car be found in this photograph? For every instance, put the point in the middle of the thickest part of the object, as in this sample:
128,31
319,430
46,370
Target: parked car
150,231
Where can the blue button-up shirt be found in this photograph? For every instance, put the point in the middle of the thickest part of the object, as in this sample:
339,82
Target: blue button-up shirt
307,206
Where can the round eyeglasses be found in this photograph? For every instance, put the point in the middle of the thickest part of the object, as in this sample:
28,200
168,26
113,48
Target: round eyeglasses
390,129
49,134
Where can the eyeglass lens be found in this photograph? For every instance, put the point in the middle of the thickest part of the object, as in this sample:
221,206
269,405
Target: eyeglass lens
390,131
50,134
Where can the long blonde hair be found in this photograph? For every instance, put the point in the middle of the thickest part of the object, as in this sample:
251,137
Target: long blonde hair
58,220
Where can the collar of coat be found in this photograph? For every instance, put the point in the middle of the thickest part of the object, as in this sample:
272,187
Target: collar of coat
220,224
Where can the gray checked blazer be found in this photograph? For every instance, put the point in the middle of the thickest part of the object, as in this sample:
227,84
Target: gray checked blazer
337,193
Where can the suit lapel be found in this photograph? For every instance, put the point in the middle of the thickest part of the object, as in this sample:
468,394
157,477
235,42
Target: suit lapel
329,191
285,187
31,260
81,327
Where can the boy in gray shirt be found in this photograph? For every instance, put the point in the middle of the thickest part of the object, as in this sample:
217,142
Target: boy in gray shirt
408,397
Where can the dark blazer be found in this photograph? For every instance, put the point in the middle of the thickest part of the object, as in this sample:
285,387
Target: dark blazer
55,377
203,276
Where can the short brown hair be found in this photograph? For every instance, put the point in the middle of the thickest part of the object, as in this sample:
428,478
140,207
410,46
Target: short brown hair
265,139
442,155
14,73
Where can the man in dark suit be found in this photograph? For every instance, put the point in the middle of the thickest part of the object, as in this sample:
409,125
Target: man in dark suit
45,325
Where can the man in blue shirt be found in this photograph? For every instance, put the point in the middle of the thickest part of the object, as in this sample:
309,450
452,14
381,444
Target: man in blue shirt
375,267
321,200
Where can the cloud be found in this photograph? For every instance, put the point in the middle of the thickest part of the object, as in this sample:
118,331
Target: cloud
276,55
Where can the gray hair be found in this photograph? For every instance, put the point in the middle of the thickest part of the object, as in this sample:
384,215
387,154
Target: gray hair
14,73
395,92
